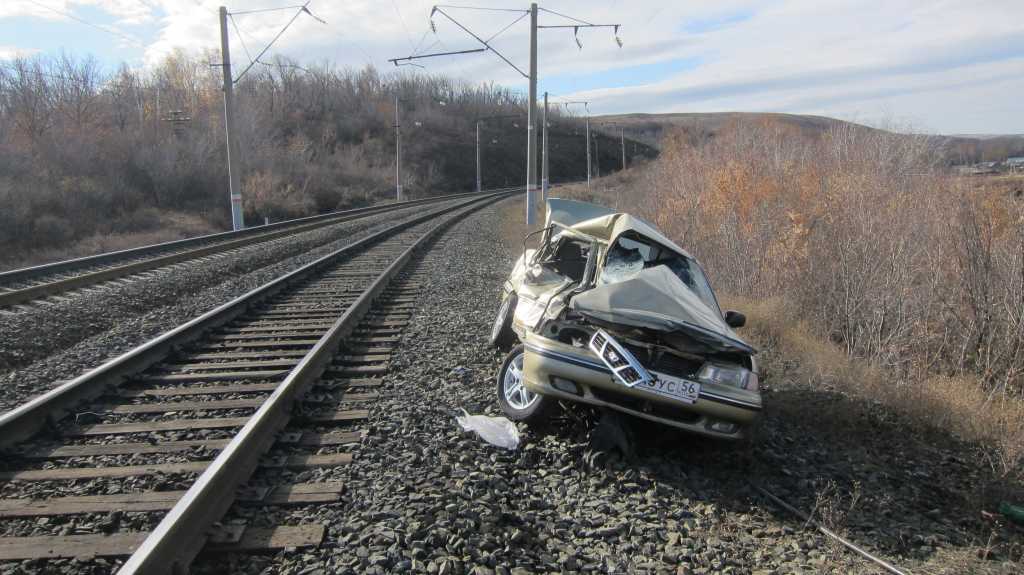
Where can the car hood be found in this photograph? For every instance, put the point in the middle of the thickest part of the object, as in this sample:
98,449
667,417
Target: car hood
656,299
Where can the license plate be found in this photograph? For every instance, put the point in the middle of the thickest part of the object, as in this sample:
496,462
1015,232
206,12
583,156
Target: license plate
671,387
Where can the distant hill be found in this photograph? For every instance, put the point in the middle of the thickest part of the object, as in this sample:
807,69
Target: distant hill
960,149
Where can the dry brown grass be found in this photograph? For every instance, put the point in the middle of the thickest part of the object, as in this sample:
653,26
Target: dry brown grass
617,191
168,226
959,404
514,228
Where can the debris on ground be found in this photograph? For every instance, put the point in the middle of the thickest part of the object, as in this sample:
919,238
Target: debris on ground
498,431
1014,513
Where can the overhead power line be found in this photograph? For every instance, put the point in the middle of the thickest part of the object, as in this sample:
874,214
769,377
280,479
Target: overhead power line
440,8
401,19
280,66
564,16
259,10
108,29
252,61
513,23
531,139
240,38
420,43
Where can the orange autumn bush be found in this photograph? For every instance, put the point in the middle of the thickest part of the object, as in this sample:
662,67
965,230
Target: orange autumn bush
863,242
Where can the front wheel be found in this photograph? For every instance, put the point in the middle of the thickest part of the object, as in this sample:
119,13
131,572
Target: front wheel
517,402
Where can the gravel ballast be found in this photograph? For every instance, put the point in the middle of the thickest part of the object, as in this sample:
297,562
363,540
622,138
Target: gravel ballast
58,340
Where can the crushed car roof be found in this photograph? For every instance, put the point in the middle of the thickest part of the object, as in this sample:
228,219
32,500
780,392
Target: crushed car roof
603,223
654,299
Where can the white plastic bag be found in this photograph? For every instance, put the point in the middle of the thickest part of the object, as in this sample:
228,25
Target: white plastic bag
497,431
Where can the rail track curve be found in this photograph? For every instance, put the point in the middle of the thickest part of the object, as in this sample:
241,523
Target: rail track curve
26,285
206,401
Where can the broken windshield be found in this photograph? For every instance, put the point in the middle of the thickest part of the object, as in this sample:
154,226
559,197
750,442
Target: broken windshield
628,256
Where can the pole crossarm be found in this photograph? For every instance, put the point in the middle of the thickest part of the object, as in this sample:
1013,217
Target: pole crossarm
531,110
253,61
453,7
260,10
581,24
578,26
395,61
438,9
586,105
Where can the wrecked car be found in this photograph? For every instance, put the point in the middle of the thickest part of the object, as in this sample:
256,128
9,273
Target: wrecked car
609,312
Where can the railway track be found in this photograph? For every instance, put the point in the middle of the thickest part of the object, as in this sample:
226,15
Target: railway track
23,286
140,457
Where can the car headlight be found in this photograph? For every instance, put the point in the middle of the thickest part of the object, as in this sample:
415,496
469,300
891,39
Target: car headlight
731,375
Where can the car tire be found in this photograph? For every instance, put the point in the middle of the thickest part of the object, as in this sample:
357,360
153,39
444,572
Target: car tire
502,334
516,402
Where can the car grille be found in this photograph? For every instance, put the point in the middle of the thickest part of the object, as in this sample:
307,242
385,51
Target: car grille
622,363
666,363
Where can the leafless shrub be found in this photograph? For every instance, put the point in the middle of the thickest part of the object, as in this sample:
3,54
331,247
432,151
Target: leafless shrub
92,152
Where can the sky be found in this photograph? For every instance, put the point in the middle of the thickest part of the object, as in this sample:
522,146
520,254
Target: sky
935,66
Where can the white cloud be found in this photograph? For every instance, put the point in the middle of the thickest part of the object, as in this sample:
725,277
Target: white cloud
11,52
903,58
125,12
11,8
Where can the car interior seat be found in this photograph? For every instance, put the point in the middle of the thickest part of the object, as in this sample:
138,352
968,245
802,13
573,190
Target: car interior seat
569,261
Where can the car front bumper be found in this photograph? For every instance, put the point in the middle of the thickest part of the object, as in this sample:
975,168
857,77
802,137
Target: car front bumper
562,371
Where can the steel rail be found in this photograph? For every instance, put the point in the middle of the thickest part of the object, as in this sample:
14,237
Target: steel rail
27,419
234,239
179,537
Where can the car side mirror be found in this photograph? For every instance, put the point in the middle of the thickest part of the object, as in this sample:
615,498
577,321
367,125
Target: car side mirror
735,319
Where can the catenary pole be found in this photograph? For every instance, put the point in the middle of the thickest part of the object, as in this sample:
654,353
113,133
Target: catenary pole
234,186
622,140
544,181
588,149
478,182
479,164
398,153
597,159
586,136
531,120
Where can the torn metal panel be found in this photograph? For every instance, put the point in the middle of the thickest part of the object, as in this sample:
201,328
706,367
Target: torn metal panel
656,299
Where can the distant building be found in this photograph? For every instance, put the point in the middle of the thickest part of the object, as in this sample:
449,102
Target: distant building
1015,164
